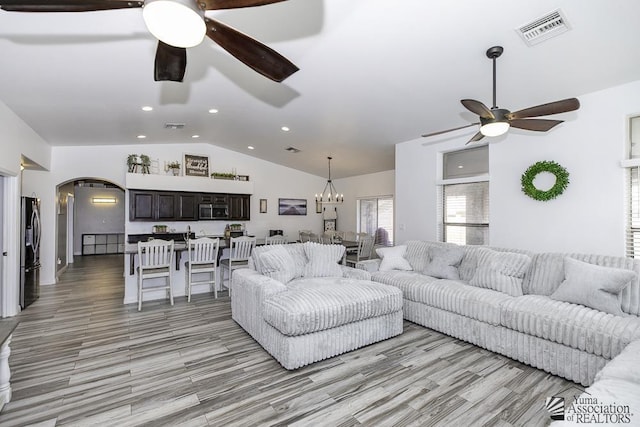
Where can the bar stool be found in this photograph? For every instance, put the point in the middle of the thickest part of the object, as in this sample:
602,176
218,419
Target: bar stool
239,252
275,240
155,261
203,258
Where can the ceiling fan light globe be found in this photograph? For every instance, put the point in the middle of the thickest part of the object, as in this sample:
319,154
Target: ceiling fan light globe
494,128
178,23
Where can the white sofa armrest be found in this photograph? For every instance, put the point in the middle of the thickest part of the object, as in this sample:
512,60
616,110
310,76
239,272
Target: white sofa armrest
353,273
370,265
249,290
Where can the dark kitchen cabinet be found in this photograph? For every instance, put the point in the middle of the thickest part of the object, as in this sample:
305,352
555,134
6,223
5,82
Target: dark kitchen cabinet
240,207
141,205
150,205
187,206
167,206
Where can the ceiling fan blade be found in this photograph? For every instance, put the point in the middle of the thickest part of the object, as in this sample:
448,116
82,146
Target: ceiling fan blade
477,137
234,4
171,62
251,52
426,135
539,125
556,107
66,5
478,108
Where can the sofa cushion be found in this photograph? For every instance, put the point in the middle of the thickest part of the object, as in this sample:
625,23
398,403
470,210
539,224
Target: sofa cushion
323,260
278,264
393,258
316,304
450,295
418,253
593,286
573,325
296,250
501,271
547,272
443,262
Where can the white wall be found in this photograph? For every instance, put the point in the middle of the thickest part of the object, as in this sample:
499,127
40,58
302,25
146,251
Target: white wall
353,188
588,217
97,218
17,140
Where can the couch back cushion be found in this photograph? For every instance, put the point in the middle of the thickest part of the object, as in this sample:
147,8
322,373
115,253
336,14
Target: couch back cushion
296,250
547,272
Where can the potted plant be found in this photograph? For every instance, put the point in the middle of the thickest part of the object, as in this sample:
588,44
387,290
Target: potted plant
146,162
223,175
132,161
174,167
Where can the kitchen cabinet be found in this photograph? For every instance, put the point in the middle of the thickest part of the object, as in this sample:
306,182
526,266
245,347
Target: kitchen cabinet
151,205
141,205
187,206
240,207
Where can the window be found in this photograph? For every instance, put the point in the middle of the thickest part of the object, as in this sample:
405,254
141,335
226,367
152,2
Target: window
633,189
465,197
375,217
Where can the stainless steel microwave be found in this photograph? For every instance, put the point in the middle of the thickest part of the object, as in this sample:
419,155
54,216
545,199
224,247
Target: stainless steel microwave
211,211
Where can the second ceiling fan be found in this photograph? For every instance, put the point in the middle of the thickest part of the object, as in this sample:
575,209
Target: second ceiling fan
496,121
179,24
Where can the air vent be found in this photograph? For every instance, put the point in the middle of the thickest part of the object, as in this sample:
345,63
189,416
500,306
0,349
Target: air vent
551,25
174,125
292,150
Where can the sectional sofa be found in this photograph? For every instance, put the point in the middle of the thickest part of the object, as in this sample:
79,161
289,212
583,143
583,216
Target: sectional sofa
567,314
302,306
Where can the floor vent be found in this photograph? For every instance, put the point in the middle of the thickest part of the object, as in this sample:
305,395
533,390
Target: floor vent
174,125
292,150
551,25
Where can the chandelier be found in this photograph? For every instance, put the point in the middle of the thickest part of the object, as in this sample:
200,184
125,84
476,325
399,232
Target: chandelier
329,195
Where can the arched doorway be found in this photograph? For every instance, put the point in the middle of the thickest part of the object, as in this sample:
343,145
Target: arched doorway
89,210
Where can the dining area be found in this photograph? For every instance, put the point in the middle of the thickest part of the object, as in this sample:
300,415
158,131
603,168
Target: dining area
170,265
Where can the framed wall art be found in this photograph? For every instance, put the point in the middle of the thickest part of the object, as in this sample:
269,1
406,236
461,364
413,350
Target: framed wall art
196,165
292,206
263,205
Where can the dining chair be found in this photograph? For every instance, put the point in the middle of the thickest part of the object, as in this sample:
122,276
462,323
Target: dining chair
365,247
239,252
313,237
275,240
155,260
202,258
303,235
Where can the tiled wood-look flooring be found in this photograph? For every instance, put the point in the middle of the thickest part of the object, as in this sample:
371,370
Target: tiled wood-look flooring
81,357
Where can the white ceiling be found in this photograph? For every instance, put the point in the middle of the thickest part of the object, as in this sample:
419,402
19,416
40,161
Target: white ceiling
372,74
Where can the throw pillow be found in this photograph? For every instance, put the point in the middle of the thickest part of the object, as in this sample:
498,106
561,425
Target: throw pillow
501,271
323,260
444,262
393,258
593,286
278,264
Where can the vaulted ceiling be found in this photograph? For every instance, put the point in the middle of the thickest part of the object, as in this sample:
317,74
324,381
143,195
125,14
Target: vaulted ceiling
372,74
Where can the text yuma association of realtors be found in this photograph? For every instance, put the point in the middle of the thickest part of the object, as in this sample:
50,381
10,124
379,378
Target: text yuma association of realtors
588,410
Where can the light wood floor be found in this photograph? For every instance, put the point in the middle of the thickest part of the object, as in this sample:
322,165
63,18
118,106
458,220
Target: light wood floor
81,357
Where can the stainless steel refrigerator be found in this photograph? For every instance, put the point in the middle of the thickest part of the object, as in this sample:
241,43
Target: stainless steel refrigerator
30,251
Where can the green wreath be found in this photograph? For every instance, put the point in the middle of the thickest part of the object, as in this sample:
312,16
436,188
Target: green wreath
562,180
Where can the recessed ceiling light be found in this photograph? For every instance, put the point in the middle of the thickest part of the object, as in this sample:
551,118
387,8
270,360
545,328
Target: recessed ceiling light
213,110
285,129
141,136
251,147
460,166
147,108
195,136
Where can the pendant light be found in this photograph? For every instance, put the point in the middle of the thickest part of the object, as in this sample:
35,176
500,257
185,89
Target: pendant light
329,195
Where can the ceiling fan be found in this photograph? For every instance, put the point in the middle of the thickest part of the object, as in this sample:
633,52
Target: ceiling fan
179,24
497,121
